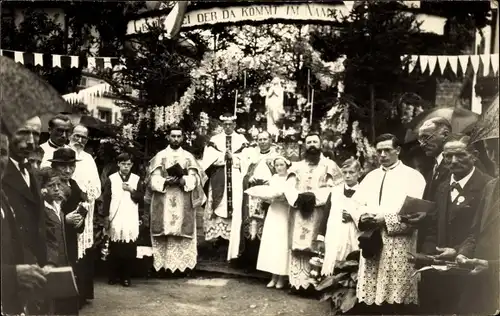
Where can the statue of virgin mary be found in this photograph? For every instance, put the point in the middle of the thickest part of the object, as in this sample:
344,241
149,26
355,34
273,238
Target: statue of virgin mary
274,105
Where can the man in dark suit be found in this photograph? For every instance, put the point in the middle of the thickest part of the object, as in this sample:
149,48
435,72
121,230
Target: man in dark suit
18,279
431,136
483,245
23,193
457,201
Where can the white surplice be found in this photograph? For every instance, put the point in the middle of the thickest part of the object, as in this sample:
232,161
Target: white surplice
340,238
221,224
388,279
87,177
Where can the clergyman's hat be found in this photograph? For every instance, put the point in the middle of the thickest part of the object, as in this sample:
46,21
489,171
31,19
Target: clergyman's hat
64,155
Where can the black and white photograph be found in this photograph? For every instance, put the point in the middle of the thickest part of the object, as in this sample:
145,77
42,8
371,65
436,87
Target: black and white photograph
236,158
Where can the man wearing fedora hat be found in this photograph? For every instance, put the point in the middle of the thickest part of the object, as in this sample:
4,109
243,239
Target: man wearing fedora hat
73,207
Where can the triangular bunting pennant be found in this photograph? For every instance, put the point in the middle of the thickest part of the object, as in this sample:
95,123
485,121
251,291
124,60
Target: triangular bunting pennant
494,63
18,57
56,61
413,63
453,61
464,62
423,62
442,60
474,60
91,62
74,62
432,64
485,59
38,59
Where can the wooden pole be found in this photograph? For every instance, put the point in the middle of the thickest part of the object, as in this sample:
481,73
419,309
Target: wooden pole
312,105
235,101
372,112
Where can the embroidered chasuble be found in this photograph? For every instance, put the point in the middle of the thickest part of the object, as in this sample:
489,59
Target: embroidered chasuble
219,221
319,180
173,210
387,278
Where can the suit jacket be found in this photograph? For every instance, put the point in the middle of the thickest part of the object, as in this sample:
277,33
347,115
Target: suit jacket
433,182
12,255
28,207
483,243
451,223
57,253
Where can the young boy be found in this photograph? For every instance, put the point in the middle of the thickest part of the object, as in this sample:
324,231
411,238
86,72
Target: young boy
122,194
341,236
57,254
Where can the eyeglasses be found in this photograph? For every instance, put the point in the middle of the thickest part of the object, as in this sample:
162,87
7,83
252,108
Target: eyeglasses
424,139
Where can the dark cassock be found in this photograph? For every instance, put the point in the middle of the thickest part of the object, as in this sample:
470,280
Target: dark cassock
482,294
258,170
122,208
456,205
75,196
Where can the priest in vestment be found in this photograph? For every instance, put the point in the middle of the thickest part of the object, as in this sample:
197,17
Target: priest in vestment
177,190
309,185
258,170
59,130
86,176
386,279
222,163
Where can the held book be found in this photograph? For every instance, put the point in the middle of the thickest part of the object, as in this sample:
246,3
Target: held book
61,283
413,205
176,171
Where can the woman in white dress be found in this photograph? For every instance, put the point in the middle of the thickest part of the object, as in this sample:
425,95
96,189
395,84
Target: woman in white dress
274,248
341,236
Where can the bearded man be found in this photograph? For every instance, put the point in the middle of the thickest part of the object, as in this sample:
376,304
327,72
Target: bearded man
86,176
222,163
309,185
177,190
258,169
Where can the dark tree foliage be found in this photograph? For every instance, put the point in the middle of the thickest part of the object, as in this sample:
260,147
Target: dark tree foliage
374,37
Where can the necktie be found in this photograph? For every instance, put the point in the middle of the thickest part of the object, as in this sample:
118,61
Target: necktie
24,167
435,169
349,192
456,186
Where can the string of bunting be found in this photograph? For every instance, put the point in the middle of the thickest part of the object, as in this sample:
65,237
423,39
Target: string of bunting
488,63
61,61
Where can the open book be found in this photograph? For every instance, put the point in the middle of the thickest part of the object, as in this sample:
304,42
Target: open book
61,283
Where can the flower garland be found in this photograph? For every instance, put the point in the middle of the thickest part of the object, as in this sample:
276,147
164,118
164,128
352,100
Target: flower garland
363,146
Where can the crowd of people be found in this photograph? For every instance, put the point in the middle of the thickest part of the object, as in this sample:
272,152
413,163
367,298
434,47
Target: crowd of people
52,195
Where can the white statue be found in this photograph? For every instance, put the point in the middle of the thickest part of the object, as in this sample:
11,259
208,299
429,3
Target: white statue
274,105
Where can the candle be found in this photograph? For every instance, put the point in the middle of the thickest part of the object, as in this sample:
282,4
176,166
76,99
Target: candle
277,134
312,103
235,102
244,79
